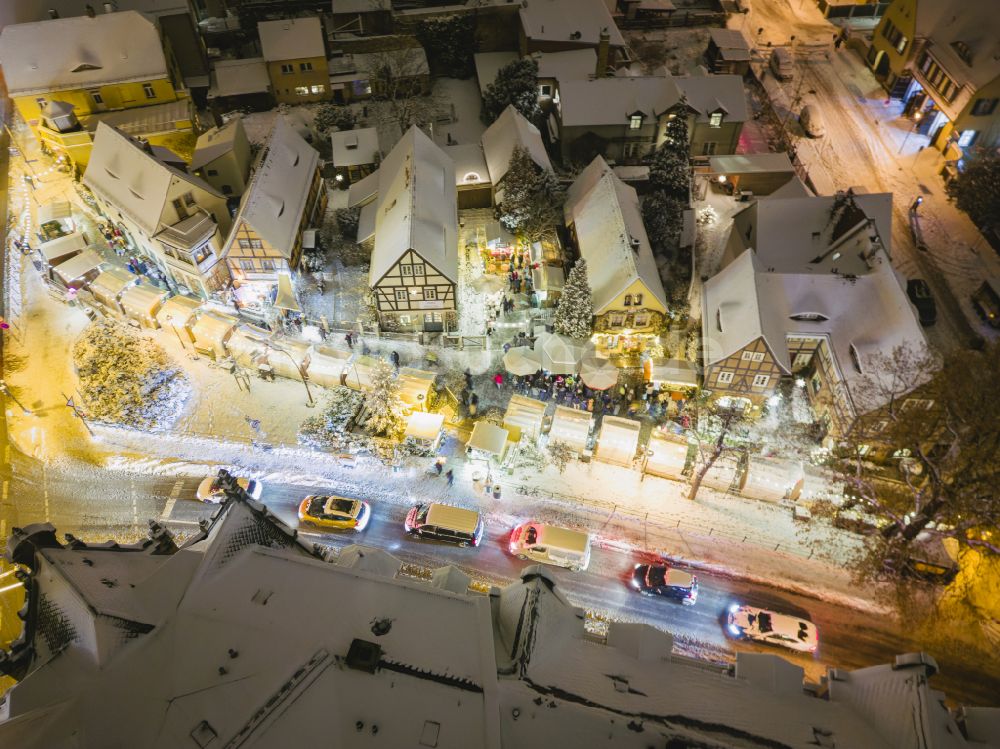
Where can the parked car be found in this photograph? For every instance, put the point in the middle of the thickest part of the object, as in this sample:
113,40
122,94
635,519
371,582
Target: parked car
549,544
812,122
439,522
920,294
210,491
334,513
761,625
782,64
663,580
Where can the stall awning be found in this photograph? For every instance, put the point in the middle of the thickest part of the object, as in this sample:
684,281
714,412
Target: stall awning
212,330
424,426
286,294
55,211
178,311
488,438
142,301
548,278
112,282
415,387
667,455
63,246
79,266
618,440
570,427
526,414
358,375
678,372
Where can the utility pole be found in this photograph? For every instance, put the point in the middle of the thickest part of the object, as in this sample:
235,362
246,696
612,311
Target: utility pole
79,414
5,389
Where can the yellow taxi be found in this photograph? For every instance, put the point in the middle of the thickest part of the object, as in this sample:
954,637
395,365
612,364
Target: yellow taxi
334,513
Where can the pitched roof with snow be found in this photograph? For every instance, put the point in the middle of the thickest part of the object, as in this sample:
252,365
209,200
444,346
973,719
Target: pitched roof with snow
276,197
238,77
217,142
417,207
354,147
291,39
571,65
561,21
610,101
511,130
81,52
133,181
611,235
710,93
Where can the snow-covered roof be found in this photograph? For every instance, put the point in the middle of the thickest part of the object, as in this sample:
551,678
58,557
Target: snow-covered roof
793,188
354,147
81,52
363,191
526,414
571,427
178,311
951,23
74,242
360,6
709,93
238,77
132,180
750,163
112,282
291,39
79,265
610,101
142,299
276,196
470,164
403,62
611,235
731,42
142,121
416,207
618,440
489,63
217,142
510,130
424,426
560,21
489,438
571,65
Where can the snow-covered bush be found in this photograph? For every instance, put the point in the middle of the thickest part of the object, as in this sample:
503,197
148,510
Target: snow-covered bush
127,379
382,402
347,222
329,428
560,454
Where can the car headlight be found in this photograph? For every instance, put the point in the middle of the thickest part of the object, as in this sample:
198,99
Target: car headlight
635,583
733,608
733,629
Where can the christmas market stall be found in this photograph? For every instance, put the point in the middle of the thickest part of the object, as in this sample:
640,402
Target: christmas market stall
178,313
617,441
107,288
288,359
526,414
488,441
415,386
78,271
246,345
358,375
58,251
212,332
424,430
548,282
141,302
571,427
55,219
328,366
666,454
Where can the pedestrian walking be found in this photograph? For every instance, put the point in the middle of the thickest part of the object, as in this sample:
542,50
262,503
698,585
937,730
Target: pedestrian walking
350,340
438,467
473,400
451,478
395,359
468,378
498,380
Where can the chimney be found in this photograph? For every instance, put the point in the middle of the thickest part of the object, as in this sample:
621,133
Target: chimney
603,49
90,11
53,13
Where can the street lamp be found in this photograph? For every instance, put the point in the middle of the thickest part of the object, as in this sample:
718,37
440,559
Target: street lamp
916,121
300,369
6,391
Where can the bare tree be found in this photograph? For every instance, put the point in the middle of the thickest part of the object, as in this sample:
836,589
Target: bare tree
716,429
398,80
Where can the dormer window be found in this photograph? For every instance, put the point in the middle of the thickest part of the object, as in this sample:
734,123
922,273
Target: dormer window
715,119
809,317
963,51
635,121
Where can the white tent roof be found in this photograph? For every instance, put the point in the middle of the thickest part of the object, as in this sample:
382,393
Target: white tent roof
607,217
489,438
277,194
180,310
354,147
417,207
671,371
62,246
212,328
142,300
81,52
291,39
112,282
571,427
527,414
78,266
511,130
54,210
423,426
238,77
618,440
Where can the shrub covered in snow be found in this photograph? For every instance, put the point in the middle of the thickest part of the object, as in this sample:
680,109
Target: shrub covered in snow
382,402
329,428
127,379
515,83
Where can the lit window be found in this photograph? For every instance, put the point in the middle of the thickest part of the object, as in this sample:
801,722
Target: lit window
302,90
244,244
256,244
404,319
305,67
267,264
628,300
147,88
725,378
715,119
967,138
760,381
638,300
747,355
635,121
317,89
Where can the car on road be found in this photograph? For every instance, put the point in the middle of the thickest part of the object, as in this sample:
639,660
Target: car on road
438,522
920,294
812,121
550,544
782,64
750,623
334,513
663,580
210,490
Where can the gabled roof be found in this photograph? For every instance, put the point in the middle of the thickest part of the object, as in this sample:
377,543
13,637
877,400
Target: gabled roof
238,77
611,235
291,39
354,147
571,65
511,130
610,101
278,190
710,93
133,181
416,207
217,142
557,21
79,52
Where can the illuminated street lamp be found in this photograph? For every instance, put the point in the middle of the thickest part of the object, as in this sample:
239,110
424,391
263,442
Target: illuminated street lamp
916,121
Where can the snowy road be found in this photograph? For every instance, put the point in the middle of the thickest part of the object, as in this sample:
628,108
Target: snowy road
95,504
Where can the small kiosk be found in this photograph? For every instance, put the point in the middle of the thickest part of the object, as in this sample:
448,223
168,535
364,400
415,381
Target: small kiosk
526,414
78,271
328,365
617,441
141,303
178,313
415,386
358,374
571,427
666,454
424,430
211,333
107,288
488,441
58,251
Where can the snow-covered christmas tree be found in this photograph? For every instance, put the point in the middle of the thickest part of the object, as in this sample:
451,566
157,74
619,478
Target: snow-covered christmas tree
532,197
575,312
382,402
329,429
126,378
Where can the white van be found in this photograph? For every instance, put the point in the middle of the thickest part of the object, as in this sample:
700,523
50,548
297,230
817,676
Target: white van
782,65
551,545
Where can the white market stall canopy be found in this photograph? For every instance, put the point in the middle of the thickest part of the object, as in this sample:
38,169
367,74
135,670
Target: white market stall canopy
618,440
327,365
212,331
526,414
246,344
178,311
548,278
62,249
671,372
772,479
722,473
522,361
415,388
79,266
559,354
57,210
571,427
667,455
489,438
142,302
424,427
108,286
289,358
358,375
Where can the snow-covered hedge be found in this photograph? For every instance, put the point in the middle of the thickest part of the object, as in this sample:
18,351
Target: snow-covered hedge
329,429
128,379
